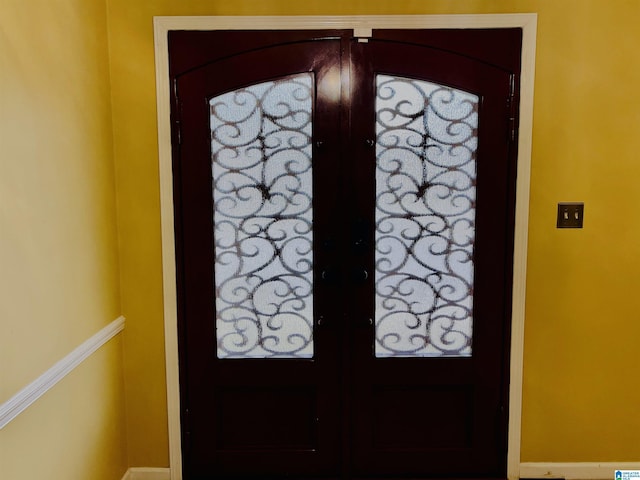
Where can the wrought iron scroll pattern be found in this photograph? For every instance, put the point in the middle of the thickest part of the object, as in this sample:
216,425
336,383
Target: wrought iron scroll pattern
261,168
425,217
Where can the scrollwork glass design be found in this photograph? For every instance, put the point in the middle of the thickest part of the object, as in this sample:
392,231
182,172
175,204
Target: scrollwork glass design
425,217
261,166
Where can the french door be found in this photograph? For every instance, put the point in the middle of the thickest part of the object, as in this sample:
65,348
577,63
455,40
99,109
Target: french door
344,228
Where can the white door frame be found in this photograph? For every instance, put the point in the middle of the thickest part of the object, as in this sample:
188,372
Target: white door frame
362,26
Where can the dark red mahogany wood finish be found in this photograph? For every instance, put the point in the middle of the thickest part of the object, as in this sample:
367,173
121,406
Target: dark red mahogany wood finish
344,413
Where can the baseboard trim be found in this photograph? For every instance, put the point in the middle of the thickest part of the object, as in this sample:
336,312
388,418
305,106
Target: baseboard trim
137,473
32,392
575,471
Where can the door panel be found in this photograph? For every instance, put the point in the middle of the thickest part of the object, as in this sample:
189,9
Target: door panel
298,198
471,378
255,415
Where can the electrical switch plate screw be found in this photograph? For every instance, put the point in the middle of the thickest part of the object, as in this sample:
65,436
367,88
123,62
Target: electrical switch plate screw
570,215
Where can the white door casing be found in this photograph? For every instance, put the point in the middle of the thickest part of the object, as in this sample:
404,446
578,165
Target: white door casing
362,26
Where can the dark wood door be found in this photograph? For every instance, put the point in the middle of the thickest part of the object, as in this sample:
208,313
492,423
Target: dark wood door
429,397
344,229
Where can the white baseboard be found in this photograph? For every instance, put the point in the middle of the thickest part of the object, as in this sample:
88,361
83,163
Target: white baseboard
575,471
137,473
32,392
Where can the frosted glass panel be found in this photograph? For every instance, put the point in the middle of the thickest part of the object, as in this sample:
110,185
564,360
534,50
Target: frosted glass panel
261,165
425,218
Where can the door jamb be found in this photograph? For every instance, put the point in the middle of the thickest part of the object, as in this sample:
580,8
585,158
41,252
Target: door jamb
526,21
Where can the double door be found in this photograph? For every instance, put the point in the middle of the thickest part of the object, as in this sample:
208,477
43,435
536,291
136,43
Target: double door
344,228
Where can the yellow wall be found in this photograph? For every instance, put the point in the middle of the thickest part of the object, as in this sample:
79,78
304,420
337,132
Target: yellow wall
58,252
75,431
581,392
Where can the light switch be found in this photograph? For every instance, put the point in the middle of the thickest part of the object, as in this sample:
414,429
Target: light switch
570,215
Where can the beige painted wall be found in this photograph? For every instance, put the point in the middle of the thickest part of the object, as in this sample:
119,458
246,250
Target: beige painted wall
59,281
581,393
